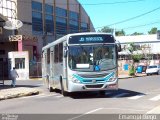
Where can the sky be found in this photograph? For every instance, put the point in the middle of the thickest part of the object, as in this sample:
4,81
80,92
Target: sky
142,13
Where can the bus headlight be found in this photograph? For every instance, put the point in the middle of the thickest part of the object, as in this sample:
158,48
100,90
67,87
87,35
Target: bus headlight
73,79
112,79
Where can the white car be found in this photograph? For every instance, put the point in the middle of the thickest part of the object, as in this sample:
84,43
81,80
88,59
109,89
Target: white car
153,69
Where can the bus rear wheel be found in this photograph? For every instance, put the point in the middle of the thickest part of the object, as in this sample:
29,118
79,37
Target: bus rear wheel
63,92
49,87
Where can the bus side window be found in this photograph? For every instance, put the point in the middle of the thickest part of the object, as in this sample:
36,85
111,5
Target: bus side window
56,54
60,52
48,56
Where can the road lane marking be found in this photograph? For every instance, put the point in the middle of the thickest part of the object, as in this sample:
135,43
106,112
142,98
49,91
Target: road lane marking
130,109
156,98
37,96
92,111
43,96
27,97
155,110
136,97
59,96
120,95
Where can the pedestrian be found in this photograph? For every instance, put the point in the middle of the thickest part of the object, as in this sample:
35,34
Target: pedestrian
13,75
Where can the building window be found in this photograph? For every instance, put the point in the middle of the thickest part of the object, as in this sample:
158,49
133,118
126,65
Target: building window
73,25
73,22
8,9
48,9
20,63
61,12
84,27
37,24
49,19
73,15
49,24
61,25
36,6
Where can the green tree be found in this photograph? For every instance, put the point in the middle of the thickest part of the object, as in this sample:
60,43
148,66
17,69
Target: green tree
153,31
120,33
106,30
135,57
136,33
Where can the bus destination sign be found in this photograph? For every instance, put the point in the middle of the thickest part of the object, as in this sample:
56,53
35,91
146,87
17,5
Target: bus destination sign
84,39
91,39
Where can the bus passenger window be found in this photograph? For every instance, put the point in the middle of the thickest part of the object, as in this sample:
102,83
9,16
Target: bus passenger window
56,54
48,56
60,52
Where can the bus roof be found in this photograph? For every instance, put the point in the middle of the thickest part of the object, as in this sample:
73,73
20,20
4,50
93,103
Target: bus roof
64,38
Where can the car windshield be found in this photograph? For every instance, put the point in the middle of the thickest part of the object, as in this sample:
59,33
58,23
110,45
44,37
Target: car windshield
92,58
154,66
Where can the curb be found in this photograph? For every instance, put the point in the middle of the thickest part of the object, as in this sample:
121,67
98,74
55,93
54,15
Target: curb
28,92
126,77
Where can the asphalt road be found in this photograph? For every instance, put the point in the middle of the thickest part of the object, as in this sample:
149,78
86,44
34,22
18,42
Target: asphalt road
135,95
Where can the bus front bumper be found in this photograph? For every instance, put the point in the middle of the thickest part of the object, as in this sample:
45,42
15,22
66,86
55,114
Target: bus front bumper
77,87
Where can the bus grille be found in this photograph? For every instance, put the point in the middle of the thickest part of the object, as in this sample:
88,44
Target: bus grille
93,75
94,86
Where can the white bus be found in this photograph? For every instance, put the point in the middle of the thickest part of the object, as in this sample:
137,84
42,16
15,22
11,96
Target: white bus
81,62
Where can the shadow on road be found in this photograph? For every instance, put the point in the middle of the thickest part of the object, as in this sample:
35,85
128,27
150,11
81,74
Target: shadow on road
121,93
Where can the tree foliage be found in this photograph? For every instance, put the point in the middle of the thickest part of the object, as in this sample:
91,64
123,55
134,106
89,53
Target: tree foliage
106,30
153,31
136,33
120,33
135,57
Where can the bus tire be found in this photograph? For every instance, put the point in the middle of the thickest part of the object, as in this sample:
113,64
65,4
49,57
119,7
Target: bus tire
51,89
49,86
63,92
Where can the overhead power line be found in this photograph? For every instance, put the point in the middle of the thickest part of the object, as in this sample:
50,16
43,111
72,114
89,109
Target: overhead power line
141,25
129,19
105,3
111,3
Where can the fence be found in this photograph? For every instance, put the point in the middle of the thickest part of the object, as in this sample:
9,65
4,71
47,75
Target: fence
35,70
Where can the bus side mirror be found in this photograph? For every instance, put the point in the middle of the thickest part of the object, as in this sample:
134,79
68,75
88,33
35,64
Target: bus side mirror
65,53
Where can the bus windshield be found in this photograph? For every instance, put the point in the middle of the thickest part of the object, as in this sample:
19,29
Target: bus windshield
92,58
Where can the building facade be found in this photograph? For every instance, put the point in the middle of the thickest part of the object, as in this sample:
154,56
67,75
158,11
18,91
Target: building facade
43,22
147,46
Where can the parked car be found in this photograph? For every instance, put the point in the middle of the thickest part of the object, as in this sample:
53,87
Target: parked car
153,69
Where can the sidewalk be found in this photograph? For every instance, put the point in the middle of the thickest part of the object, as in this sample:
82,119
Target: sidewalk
125,76
23,88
